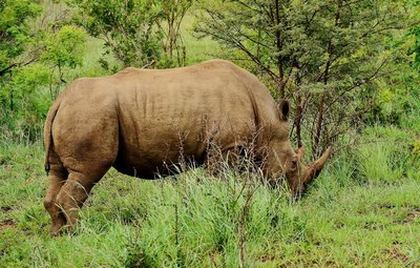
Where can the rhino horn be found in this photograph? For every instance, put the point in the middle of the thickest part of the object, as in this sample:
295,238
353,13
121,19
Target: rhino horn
313,169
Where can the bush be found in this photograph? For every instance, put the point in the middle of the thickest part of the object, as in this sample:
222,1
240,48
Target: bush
24,103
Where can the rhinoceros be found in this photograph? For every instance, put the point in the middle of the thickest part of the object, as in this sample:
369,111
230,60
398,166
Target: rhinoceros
140,120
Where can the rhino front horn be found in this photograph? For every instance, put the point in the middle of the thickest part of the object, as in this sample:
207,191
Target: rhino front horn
312,170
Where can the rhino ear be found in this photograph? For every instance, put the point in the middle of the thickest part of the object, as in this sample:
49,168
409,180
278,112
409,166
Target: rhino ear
284,108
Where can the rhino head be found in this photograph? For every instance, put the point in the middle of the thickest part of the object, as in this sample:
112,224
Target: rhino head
282,160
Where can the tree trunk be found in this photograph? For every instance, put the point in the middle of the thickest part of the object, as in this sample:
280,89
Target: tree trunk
318,131
280,83
298,120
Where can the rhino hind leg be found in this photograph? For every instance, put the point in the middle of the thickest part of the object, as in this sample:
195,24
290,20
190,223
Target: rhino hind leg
85,168
74,193
57,177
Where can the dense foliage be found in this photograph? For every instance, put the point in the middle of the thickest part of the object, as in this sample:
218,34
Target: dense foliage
14,31
38,59
322,55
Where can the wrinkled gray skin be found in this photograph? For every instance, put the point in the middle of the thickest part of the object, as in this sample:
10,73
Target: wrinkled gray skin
139,121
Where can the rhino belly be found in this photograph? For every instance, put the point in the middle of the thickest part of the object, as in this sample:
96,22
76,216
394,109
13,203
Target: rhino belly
153,155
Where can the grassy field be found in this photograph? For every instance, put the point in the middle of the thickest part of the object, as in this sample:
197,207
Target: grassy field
363,211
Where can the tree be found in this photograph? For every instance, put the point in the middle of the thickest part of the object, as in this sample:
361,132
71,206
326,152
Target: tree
63,49
14,31
320,54
138,32
128,28
173,12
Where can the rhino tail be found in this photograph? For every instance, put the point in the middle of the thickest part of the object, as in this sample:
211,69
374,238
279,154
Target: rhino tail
48,139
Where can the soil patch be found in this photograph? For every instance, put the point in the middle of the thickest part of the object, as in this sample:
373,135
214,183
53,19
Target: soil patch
396,253
412,216
7,223
6,208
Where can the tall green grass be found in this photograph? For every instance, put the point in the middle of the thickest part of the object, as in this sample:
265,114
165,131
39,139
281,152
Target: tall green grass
354,215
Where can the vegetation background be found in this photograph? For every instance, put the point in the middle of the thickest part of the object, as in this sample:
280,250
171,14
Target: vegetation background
350,70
